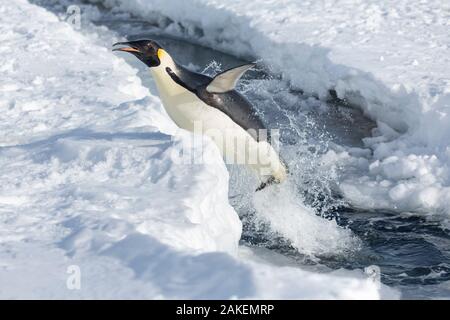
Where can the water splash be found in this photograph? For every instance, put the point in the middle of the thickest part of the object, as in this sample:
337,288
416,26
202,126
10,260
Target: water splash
298,217
308,232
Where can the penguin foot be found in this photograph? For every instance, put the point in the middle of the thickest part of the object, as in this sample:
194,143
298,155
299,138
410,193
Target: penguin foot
266,183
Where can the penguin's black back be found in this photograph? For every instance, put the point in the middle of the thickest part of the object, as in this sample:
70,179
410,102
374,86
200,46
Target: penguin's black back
232,103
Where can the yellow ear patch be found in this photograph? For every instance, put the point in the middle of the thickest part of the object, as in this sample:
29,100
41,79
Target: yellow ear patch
160,53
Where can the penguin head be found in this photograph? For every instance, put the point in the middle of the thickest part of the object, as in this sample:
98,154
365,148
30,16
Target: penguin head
148,51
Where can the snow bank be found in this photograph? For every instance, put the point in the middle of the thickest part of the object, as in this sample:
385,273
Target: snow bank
90,186
71,125
390,59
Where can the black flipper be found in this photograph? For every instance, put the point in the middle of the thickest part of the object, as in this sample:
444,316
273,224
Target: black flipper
178,81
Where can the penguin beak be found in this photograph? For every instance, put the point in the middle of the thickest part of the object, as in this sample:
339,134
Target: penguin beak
130,48
144,50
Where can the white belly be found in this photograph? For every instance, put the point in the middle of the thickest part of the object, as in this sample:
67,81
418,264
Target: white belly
236,145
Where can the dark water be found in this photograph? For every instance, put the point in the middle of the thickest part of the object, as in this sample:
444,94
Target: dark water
413,252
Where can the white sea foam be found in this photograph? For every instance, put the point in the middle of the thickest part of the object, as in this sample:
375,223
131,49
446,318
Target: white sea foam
309,233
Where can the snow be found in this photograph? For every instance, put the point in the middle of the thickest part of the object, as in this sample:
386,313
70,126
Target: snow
90,182
392,60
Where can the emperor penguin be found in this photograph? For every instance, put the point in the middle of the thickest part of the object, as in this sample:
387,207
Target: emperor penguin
194,100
